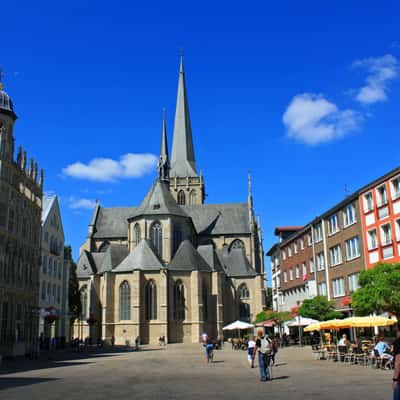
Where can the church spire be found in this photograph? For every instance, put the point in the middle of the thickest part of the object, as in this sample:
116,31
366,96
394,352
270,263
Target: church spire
163,163
183,162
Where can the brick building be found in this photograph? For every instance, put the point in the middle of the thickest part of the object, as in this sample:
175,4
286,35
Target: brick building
326,256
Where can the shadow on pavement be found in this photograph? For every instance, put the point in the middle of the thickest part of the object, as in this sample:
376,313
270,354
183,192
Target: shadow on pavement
6,383
64,358
277,378
280,365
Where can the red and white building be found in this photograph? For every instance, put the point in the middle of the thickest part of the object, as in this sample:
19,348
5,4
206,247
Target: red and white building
380,217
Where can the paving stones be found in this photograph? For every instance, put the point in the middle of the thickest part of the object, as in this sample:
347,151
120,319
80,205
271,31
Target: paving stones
181,372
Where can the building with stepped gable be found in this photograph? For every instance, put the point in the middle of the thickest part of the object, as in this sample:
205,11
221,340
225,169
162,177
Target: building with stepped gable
173,266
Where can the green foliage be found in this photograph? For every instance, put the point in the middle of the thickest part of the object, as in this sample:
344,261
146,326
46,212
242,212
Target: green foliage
319,308
268,300
379,290
280,317
74,298
262,316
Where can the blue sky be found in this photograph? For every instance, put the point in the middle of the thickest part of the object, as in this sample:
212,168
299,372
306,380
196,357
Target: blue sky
305,95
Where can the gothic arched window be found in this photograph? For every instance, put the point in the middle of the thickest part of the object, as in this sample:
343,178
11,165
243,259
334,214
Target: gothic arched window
205,302
151,301
236,244
181,198
177,237
179,301
192,197
124,301
84,301
137,233
156,237
243,292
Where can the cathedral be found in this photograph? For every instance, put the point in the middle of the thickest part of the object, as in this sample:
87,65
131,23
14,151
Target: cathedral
173,266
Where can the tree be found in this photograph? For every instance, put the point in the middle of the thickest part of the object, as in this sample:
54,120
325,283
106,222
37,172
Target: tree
319,308
379,290
268,298
279,316
74,298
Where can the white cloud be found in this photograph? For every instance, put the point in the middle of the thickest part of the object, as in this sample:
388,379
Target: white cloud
312,119
381,70
76,203
108,170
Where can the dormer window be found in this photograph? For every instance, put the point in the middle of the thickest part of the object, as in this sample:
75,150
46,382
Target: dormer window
156,207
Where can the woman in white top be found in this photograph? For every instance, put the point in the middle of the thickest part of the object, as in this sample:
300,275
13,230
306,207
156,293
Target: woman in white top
250,352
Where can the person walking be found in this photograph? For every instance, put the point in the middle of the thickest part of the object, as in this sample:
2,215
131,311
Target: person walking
137,343
209,350
264,350
396,372
250,351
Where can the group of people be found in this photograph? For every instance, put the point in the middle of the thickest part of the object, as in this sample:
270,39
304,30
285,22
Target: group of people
380,349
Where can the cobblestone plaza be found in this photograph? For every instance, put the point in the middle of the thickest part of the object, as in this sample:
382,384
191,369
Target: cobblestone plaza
180,372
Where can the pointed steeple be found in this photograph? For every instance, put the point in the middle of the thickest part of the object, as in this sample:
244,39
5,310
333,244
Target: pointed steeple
250,201
182,160
163,162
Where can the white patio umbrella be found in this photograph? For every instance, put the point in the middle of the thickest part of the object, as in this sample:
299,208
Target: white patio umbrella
301,321
237,325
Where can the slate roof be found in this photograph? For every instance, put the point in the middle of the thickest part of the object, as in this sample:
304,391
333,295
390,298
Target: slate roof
112,222
112,257
235,263
159,201
85,266
187,258
210,256
142,257
208,219
214,219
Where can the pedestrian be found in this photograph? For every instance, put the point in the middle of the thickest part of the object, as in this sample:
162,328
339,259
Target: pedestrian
204,338
274,351
250,351
264,350
209,350
396,372
137,343
112,340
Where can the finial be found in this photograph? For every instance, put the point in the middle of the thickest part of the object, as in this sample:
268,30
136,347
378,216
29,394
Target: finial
19,156
30,173
24,158
35,172
41,179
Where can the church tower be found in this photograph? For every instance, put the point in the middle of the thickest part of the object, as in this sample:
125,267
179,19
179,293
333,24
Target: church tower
186,185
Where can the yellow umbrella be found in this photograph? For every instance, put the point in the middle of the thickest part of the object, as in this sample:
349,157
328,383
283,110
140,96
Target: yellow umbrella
313,327
335,324
370,321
